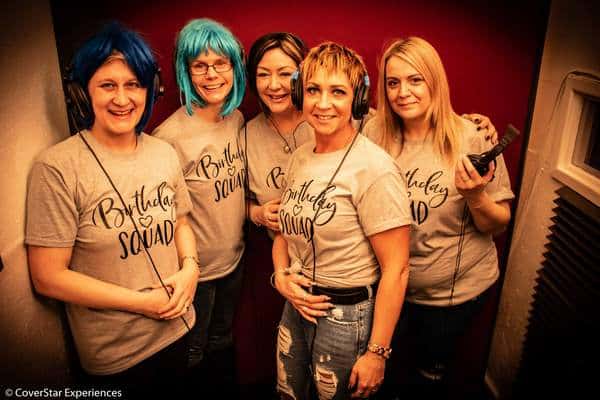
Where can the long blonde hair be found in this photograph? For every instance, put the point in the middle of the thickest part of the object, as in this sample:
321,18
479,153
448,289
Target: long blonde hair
444,122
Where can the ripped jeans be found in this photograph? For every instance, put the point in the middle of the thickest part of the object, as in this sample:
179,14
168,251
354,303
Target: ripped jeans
336,343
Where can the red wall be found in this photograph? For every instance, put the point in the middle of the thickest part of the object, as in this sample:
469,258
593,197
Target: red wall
490,53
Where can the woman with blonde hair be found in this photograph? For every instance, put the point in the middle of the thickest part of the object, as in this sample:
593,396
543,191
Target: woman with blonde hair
340,257
455,211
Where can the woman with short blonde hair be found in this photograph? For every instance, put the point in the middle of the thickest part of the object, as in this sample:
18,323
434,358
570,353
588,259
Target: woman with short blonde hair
340,257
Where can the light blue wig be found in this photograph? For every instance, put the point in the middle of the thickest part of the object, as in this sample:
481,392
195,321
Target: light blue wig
201,35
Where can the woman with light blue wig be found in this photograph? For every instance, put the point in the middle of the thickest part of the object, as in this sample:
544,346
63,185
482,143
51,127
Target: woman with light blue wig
209,66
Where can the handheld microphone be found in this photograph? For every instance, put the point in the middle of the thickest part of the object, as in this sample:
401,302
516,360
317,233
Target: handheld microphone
481,161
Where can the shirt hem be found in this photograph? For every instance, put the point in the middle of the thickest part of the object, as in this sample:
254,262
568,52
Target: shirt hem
387,225
147,354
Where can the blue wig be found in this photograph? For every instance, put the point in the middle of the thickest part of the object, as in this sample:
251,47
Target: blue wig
201,35
94,52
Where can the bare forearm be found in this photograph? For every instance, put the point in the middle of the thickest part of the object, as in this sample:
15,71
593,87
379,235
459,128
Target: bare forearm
185,242
388,304
52,278
253,211
391,248
76,288
281,258
488,216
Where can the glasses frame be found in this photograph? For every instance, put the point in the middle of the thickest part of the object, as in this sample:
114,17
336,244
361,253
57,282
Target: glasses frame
228,64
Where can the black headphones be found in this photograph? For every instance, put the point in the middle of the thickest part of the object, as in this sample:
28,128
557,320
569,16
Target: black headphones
79,105
360,100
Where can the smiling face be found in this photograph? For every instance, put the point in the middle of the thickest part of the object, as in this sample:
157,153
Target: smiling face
213,87
273,75
117,98
327,102
408,94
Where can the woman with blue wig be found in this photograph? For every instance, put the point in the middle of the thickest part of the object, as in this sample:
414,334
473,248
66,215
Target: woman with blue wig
204,131
105,240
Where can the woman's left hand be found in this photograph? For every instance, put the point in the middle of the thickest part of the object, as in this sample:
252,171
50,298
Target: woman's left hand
183,287
467,180
367,375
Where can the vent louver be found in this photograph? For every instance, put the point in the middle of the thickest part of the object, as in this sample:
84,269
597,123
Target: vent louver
561,348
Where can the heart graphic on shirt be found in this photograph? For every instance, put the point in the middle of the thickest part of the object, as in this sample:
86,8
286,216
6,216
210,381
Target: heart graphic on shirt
231,170
146,221
297,209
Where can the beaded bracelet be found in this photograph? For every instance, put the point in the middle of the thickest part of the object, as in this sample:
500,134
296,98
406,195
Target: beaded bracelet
384,352
194,258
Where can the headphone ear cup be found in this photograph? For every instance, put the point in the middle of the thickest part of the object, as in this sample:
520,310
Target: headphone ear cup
78,103
360,102
158,88
296,90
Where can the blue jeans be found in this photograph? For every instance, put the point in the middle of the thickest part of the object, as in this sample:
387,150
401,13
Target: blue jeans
215,303
325,352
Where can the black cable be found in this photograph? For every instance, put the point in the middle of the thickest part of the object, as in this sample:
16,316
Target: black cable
446,310
322,194
312,227
461,241
133,222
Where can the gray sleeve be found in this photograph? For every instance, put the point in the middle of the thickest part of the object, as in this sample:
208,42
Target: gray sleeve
52,215
384,205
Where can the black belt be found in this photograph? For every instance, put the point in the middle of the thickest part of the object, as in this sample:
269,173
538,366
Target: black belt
346,296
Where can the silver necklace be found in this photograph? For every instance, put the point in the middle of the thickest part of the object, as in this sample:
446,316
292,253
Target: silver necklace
286,148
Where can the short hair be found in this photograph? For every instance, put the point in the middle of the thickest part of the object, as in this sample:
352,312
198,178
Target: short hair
445,123
334,58
289,43
114,37
201,35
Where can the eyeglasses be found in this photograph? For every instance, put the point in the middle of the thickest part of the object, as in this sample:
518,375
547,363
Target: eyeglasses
202,68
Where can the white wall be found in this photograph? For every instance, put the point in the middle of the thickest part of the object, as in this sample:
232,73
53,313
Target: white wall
571,43
32,117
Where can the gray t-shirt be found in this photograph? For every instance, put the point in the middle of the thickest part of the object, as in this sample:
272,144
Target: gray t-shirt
267,159
437,211
212,159
71,204
367,196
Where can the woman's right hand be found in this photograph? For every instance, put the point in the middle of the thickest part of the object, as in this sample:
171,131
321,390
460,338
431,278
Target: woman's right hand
268,214
154,300
293,288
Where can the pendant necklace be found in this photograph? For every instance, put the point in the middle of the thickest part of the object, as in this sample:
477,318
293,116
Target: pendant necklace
287,148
